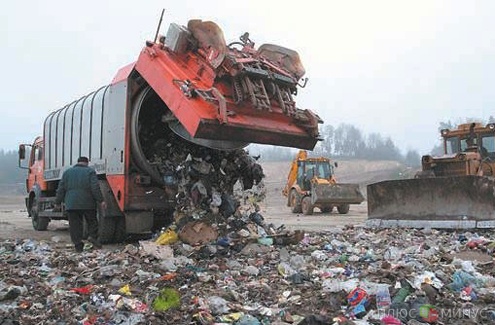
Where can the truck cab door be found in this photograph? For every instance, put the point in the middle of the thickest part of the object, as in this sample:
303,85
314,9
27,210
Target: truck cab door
32,160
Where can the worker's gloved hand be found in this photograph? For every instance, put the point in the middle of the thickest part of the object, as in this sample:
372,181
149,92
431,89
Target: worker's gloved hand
57,208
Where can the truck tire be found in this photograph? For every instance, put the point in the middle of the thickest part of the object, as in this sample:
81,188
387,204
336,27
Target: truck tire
111,229
39,223
327,209
307,206
343,209
120,232
295,202
106,229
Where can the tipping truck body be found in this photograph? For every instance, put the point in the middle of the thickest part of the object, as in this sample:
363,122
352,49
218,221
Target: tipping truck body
311,183
455,190
190,84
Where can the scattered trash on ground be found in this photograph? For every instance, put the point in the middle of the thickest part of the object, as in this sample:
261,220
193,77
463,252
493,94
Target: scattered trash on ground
355,276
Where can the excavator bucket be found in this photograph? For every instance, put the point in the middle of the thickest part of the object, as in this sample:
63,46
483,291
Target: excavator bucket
439,202
324,194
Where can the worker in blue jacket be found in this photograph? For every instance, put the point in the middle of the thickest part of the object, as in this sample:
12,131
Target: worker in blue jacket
80,192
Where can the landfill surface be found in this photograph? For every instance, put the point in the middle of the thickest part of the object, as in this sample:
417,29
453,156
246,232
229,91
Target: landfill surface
220,262
352,275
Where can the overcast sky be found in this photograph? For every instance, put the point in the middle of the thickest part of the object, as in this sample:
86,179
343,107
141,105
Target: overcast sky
393,67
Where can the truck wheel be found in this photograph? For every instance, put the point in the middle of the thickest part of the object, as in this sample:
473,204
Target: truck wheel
327,209
106,229
343,209
307,207
295,202
120,233
39,223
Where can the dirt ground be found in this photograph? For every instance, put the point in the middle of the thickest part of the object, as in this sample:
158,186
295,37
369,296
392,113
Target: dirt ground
15,224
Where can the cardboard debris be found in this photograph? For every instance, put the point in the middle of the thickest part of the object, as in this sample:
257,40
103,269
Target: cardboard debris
158,251
198,233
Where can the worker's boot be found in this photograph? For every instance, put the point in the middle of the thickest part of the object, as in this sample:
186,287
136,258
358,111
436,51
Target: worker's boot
96,243
79,247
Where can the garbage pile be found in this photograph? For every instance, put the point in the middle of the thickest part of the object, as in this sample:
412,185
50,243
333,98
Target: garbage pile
348,276
199,175
216,189
201,180
203,174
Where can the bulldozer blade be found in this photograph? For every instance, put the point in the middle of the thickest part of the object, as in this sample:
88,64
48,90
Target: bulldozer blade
336,194
440,202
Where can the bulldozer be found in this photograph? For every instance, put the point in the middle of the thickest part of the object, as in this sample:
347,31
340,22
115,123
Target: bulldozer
455,190
311,183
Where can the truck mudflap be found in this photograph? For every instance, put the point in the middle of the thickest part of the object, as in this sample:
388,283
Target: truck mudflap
440,202
325,194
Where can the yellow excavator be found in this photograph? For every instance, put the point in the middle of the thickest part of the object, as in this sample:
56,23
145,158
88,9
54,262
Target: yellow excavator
311,183
454,190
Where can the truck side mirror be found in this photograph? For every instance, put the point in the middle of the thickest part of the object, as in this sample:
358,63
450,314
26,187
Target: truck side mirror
22,152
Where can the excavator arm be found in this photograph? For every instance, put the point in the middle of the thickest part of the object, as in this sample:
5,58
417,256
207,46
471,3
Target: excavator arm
292,177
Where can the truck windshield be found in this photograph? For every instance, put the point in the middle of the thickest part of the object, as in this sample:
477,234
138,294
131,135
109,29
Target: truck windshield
488,144
452,145
322,169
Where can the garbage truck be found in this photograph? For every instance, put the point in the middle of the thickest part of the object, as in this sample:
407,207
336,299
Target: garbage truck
452,190
311,183
187,89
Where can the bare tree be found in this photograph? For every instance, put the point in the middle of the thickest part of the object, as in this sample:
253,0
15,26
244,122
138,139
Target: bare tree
348,141
412,158
327,145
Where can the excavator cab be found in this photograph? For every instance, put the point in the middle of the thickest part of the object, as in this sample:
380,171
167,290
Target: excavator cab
313,171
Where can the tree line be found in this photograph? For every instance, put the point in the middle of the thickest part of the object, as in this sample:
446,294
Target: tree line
344,141
10,173
348,142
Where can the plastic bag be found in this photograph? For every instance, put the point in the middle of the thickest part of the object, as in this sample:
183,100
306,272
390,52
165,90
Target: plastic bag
168,298
167,238
383,299
125,290
86,290
355,296
218,305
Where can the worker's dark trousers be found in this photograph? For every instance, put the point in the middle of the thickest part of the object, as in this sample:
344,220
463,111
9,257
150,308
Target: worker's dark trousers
76,225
